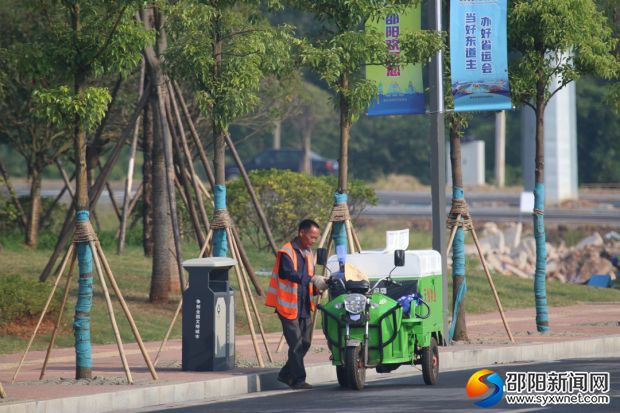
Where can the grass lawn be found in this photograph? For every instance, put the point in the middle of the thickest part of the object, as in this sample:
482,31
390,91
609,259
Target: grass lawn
132,272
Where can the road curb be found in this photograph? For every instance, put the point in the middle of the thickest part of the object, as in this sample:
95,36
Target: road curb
222,388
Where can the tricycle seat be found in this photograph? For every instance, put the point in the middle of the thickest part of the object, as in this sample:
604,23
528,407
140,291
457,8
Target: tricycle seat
360,286
395,291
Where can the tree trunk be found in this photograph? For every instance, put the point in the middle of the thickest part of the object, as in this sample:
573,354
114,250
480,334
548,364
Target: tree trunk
500,148
306,163
35,207
167,270
163,247
345,128
458,246
277,134
176,283
540,276
220,242
81,323
339,232
147,182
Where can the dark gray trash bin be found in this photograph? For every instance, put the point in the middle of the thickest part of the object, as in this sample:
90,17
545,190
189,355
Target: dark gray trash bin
208,316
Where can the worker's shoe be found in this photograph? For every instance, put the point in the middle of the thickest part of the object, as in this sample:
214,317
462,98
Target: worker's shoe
285,380
302,385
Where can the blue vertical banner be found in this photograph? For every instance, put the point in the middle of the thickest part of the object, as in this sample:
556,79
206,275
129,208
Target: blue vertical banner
478,55
400,90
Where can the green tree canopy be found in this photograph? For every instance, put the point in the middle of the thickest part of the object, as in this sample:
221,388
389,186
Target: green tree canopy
553,42
343,48
562,39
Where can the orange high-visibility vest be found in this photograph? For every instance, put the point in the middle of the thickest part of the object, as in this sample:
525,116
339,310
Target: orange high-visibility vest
282,294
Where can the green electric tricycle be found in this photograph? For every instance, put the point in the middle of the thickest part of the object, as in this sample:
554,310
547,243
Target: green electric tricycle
391,317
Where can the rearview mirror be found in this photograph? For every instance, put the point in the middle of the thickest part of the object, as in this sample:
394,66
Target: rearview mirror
321,256
399,258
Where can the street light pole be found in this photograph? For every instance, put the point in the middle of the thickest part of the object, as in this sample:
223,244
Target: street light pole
438,159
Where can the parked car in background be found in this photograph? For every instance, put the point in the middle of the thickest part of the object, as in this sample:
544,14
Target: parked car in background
285,159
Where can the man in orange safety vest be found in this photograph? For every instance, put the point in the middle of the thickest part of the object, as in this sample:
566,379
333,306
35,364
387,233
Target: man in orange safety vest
291,288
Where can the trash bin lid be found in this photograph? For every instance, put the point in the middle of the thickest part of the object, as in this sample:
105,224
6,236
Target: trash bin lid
211,262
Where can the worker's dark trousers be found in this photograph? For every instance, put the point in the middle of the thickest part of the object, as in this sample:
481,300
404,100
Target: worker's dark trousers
297,335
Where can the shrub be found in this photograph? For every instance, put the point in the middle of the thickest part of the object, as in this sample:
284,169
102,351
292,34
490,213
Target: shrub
22,297
286,198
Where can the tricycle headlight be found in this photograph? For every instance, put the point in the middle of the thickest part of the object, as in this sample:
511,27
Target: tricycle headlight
355,303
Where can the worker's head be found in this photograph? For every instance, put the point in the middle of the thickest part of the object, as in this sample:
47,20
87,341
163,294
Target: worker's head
307,233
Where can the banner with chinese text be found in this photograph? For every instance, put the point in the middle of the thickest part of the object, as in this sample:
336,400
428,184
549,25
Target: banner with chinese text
478,55
399,88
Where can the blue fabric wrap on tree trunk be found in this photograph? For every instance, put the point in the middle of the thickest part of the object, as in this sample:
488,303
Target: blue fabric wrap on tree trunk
540,276
81,321
458,263
339,231
220,242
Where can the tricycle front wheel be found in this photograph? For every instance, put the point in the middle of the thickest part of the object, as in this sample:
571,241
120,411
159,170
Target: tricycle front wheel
341,374
354,366
430,363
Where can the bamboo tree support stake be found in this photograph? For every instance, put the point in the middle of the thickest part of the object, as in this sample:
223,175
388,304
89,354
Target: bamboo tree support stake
179,188
108,300
115,207
204,191
121,299
246,308
134,200
194,135
188,159
488,274
126,211
250,188
347,225
65,178
45,216
65,296
453,234
206,249
358,245
246,262
169,331
60,272
467,225
326,233
132,204
245,277
183,178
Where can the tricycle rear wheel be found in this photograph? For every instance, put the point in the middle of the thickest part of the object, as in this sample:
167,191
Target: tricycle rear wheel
354,365
430,363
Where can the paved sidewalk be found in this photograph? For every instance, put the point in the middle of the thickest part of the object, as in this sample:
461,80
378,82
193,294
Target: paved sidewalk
570,328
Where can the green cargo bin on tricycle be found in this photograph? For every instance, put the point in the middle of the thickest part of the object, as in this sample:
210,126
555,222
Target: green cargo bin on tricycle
392,318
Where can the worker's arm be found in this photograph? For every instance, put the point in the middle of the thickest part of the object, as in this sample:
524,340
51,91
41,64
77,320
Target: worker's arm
288,272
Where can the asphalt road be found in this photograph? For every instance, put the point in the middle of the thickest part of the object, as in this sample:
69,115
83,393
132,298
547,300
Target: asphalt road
407,394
